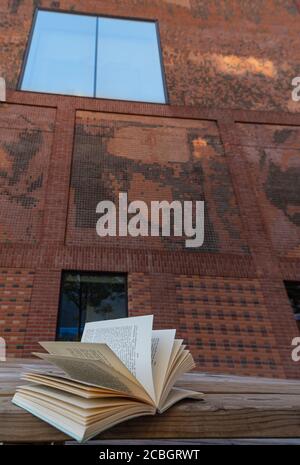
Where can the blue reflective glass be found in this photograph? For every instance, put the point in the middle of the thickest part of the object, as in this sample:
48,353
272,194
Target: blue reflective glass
128,65
62,54
94,57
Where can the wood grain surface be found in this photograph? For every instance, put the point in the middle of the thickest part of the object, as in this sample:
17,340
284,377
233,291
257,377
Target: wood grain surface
234,407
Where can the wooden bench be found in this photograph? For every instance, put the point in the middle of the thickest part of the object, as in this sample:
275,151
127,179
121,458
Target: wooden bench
234,407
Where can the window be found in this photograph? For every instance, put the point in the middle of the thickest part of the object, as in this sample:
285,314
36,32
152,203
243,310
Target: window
293,291
94,57
89,297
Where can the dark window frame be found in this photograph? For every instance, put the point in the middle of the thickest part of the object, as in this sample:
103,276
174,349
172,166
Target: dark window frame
87,272
56,10
286,285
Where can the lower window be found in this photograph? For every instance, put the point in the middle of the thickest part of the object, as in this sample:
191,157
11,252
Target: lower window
293,292
89,296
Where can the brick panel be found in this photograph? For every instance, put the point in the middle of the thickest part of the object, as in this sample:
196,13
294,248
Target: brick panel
151,159
25,147
224,321
227,326
272,154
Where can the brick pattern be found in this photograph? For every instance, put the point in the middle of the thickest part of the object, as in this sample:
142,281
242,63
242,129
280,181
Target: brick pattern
230,325
154,293
216,54
228,299
158,277
25,147
151,159
224,321
41,325
272,154
15,297
139,294
284,326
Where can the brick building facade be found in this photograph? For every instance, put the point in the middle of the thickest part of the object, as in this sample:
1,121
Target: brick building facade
229,135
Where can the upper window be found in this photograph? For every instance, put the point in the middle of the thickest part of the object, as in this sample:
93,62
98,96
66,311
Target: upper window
88,297
94,57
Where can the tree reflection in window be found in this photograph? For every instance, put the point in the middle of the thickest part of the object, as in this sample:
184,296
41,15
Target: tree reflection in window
88,296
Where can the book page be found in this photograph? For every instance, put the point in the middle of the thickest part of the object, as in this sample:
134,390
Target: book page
182,364
162,345
73,428
177,346
94,372
66,384
177,394
130,340
74,400
91,351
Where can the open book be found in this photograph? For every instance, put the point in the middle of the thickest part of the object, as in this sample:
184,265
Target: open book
121,369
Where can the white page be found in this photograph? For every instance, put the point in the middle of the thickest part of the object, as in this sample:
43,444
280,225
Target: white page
177,394
177,347
92,372
162,345
130,339
90,351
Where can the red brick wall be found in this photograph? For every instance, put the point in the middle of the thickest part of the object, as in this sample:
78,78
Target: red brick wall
234,54
224,321
231,308
272,154
151,159
60,155
25,148
15,298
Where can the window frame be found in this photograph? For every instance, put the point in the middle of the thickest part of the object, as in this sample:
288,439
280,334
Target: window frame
96,15
87,272
287,283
